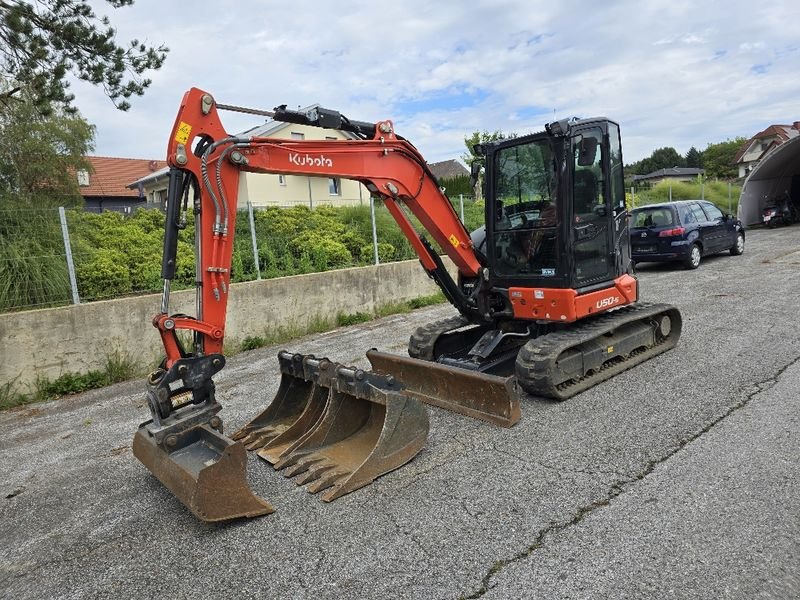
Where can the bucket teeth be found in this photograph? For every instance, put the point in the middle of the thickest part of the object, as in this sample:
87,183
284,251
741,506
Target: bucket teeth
326,481
315,472
260,437
337,427
301,466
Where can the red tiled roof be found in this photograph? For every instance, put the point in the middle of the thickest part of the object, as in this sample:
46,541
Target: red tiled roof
782,132
111,175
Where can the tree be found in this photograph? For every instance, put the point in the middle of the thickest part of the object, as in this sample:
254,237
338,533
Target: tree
40,154
481,137
43,41
718,158
694,158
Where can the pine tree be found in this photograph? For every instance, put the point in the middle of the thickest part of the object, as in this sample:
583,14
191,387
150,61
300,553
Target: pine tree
43,41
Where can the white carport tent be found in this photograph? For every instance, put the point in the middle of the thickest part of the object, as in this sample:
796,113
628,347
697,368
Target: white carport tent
771,177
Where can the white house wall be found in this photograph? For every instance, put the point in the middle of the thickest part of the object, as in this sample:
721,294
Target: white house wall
266,189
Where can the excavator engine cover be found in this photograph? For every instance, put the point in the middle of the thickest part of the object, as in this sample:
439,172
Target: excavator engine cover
334,427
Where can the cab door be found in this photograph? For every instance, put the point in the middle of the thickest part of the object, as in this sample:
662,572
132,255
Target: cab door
591,209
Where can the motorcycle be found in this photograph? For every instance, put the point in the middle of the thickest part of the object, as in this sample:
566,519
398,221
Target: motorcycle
780,210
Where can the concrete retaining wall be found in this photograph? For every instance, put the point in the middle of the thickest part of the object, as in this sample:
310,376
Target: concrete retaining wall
50,342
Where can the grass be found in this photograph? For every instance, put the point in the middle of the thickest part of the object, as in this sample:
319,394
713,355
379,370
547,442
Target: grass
320,324
121,367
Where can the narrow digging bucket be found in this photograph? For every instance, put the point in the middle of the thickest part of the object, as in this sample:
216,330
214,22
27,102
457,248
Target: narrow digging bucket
347,428
294,398
205,470
471,393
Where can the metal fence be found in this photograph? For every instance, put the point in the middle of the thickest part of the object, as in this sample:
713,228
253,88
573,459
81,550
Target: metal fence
53,257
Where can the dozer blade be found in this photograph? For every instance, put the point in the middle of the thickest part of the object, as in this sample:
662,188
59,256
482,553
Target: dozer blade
478,395
336,428
183,445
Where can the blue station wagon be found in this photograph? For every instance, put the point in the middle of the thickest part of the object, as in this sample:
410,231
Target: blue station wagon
685,231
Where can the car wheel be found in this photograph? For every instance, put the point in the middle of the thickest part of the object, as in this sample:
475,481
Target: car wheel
738,247
693,260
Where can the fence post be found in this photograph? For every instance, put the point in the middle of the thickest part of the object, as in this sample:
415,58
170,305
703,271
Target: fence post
73,282
461,200
253,236
702,190
670,192
310,197
633,197
374,229
730,205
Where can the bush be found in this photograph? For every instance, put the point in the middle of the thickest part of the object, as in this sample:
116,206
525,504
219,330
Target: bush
386,252
105,275
713,191
322,245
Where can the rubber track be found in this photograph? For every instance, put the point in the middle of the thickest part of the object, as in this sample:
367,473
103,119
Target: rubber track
536,360
423,340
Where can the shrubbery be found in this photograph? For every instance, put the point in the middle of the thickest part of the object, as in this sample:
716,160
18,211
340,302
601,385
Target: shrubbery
116,255
712,190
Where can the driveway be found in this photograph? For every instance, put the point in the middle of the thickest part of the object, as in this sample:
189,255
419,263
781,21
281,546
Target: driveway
679,478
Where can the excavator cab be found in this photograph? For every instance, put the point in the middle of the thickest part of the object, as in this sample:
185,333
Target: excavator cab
555,208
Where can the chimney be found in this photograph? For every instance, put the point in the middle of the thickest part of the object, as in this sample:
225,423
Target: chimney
796,125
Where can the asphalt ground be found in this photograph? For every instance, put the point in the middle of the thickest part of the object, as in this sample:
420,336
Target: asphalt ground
679,478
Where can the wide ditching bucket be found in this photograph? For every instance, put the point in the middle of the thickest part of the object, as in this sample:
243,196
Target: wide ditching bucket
183,445
334,427
471,393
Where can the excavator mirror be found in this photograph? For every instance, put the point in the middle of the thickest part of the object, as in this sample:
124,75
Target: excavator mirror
587,150
474,173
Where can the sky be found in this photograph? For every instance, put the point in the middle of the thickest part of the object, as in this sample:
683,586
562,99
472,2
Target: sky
671,72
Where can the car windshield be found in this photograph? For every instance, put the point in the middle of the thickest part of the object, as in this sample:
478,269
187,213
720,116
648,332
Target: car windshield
658,216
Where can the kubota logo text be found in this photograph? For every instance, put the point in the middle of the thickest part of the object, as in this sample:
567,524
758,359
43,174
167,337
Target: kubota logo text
306,160
606,302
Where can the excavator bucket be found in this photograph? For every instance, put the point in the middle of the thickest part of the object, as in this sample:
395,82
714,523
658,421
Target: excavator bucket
336,428
471,393
183,445
205,470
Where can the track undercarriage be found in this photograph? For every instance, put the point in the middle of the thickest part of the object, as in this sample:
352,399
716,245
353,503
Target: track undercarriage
553,361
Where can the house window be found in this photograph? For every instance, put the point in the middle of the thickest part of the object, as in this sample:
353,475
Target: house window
282,179
298,136
334,186
83,178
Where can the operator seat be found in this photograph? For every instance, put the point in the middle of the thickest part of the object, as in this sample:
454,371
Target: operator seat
585,191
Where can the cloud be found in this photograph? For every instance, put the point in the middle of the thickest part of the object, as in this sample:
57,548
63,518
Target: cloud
672,72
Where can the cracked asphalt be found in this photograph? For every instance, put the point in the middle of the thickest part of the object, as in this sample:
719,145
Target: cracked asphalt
679,478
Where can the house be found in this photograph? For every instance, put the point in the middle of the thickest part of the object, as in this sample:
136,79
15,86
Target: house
106,187
673,174
266,189
448,169
754,149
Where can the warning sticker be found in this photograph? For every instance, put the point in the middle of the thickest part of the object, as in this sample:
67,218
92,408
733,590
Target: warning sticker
454,241
183,133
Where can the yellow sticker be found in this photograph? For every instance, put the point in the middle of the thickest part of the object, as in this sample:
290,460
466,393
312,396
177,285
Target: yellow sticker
610,349
182,135
454,241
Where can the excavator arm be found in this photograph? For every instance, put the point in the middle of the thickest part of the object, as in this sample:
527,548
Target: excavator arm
202,154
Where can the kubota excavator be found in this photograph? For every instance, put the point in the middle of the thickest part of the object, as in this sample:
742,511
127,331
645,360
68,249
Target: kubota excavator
545,293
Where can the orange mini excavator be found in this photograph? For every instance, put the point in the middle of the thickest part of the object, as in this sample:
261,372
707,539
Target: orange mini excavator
545,293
